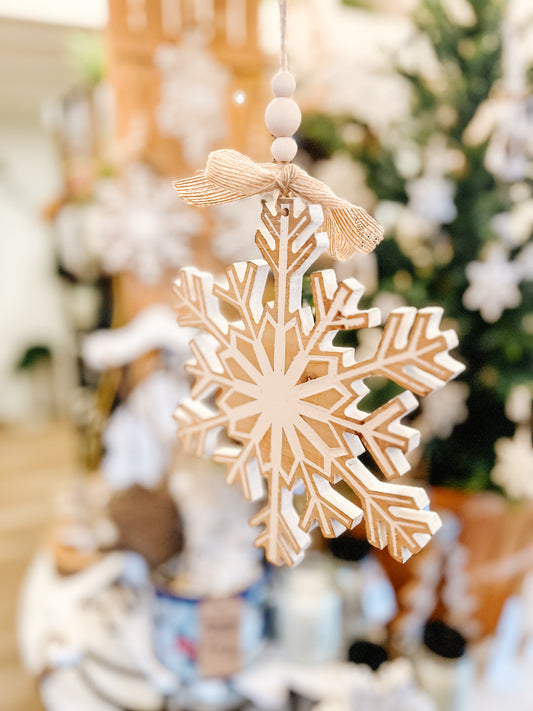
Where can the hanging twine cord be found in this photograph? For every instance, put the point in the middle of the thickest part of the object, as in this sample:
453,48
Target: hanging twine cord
284,62
230,176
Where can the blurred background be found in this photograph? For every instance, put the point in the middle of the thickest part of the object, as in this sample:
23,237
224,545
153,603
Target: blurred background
120,555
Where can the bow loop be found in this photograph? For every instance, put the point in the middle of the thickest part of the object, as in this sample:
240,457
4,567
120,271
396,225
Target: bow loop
230,176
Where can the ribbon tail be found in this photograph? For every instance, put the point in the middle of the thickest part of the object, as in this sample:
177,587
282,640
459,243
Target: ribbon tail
354,231
201,192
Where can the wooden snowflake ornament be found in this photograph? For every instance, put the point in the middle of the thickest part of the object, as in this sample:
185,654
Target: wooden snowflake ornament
288,398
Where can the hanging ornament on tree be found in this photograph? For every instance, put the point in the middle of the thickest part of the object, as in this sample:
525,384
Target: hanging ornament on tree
285,395
505,118
513,468
493,285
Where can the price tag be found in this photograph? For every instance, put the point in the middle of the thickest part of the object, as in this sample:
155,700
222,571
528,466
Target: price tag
219,644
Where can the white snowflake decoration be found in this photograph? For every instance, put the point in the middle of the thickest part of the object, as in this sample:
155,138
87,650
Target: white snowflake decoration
493,285
141,226
444,410
194,89
513,470
515,227
288,399
432,198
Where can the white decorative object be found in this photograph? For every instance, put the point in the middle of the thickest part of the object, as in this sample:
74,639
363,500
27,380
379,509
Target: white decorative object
501,668
218,559
460,12
194,88
309,614
461,605
514,228
518,404
524,262
441,568
283,84
57,691
51,606
493,285
432,198
283,116
443,410
133,453
284,149
338,686
91,633
140,436
513,470
154,328
155,399
140,225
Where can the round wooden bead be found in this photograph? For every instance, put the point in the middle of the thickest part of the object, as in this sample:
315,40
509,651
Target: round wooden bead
284,149
283,117
283,84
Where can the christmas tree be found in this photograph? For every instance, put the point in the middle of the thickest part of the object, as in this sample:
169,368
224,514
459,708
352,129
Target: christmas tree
453,188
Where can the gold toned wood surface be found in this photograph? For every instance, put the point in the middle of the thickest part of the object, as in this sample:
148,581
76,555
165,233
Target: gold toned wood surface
34,463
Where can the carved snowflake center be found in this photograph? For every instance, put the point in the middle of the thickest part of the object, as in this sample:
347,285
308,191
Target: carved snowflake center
278,398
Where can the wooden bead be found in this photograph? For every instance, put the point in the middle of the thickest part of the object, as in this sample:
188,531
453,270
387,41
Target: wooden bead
283,117
283,84
284,149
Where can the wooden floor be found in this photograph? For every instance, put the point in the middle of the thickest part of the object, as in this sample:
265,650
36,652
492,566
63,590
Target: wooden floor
34,463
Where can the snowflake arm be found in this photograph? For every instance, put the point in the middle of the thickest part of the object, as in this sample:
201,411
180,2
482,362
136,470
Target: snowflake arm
282,538
196,305
396,516
384,436
199,426
206,368
243,468
413,352
244,290
326,507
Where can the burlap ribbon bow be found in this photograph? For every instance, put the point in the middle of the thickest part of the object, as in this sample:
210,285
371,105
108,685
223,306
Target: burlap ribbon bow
230,175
